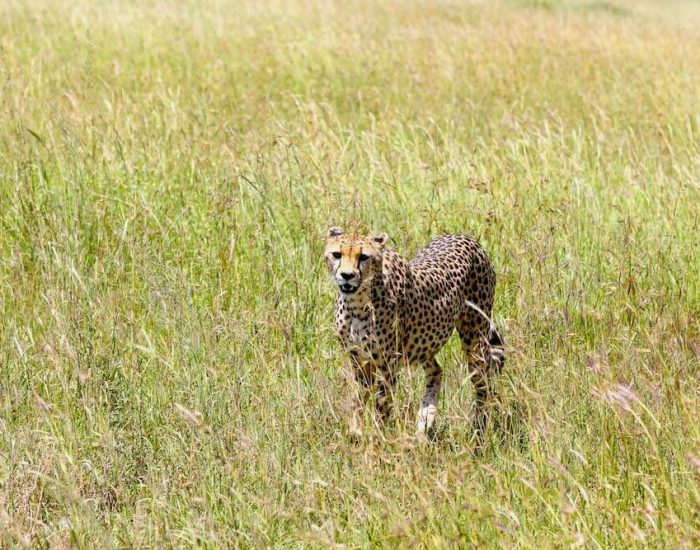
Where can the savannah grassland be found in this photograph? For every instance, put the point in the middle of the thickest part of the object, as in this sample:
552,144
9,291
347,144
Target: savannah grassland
168,373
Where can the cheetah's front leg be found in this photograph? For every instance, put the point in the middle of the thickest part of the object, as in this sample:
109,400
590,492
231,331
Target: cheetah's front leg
428,410
385,388
364,376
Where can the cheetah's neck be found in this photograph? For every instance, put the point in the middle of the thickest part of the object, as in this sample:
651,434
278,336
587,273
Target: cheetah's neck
358,304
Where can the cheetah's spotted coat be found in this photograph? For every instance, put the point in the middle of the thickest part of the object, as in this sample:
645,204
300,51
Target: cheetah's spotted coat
390,311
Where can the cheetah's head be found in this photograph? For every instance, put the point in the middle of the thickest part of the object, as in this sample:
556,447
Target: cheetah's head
352,259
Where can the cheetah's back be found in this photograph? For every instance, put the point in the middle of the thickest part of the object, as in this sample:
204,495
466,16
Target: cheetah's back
448,274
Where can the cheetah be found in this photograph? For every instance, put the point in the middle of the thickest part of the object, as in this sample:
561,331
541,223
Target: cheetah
390,311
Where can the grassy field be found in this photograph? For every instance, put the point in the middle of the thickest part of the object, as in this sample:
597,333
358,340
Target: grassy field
168,169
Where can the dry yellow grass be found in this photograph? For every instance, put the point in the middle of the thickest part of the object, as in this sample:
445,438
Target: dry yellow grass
167,172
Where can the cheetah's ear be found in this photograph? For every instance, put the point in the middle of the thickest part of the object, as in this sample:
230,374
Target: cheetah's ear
381,239
334,232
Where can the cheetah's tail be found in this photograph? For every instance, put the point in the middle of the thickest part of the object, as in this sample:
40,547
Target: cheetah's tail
498,351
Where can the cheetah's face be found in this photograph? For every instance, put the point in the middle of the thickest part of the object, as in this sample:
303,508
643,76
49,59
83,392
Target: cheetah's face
353,260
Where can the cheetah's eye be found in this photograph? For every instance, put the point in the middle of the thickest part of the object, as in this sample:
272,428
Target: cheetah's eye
336,255
364,257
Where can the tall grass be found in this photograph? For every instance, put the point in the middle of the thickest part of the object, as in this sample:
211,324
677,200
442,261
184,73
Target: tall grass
168,169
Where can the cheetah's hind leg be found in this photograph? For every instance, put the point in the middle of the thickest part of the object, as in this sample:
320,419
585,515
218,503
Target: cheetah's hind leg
483,349
428,410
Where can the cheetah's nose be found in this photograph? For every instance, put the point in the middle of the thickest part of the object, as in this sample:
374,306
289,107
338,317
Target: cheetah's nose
347,276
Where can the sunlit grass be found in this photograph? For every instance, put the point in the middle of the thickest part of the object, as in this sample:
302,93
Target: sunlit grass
167,173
